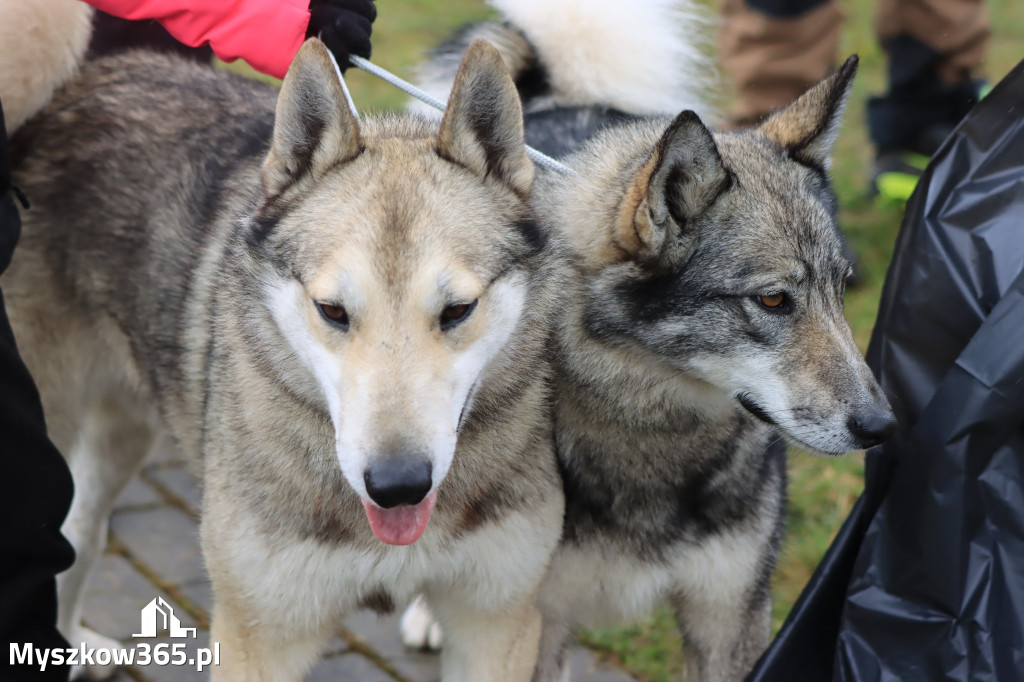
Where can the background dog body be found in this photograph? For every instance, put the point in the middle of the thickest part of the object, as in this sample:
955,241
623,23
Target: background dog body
706,322
360,294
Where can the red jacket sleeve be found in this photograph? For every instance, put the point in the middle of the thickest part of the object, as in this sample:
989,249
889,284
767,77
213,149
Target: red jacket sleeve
265,33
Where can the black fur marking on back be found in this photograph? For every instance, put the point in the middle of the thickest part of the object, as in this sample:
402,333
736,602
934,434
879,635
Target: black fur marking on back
533,82
457,42
559,132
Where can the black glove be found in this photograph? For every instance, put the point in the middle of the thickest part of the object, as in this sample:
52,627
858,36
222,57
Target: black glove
343,25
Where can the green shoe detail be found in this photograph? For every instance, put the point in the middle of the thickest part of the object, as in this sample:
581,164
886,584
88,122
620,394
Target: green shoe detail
896,175
895,187
915,160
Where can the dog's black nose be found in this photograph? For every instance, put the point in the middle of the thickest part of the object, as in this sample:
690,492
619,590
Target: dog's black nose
872,426
399,480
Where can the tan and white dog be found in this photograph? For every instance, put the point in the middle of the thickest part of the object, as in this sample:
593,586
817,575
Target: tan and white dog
344,324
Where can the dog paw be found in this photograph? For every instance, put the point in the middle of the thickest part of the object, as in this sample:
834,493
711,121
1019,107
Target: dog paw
93,640
419,629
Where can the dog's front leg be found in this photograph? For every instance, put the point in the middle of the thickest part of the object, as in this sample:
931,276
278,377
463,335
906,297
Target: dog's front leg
254,653
723,642
488,646
270,619
723,606
553,658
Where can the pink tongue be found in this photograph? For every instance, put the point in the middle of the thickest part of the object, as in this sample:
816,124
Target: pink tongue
401,525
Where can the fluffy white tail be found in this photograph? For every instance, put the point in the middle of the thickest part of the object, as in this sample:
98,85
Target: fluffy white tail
41,44
641,57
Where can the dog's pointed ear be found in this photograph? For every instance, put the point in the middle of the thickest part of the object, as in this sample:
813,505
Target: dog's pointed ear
482,128
681,179
808,127
313,125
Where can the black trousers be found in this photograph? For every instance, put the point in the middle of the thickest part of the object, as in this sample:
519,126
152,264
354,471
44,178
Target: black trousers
35,487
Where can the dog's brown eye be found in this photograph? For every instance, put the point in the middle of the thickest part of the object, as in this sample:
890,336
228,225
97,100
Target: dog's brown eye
772,300
334,313
453,315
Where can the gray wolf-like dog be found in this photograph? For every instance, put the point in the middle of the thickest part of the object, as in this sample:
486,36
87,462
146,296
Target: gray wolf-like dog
345,325
704,329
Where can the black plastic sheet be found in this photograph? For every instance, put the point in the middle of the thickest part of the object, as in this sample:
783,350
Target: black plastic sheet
925,581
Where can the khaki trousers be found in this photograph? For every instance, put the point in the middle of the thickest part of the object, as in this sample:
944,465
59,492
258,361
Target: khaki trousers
772,59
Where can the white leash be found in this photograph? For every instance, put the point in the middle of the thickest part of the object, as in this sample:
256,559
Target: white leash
344,86
538,157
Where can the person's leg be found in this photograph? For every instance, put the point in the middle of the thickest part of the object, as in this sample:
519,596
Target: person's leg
35,487
935,48
773,50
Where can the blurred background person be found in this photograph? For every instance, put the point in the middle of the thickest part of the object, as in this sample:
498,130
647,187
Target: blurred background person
775,49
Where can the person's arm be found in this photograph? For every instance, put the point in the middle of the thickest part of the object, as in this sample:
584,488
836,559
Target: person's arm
265,33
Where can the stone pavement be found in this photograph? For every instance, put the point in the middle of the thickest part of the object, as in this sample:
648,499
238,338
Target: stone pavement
154,551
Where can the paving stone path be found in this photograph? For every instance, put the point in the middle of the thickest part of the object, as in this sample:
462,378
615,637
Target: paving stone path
154,551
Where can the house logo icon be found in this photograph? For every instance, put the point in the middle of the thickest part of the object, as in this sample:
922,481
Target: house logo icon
158,615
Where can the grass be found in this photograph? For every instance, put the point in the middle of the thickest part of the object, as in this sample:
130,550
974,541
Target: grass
822,491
